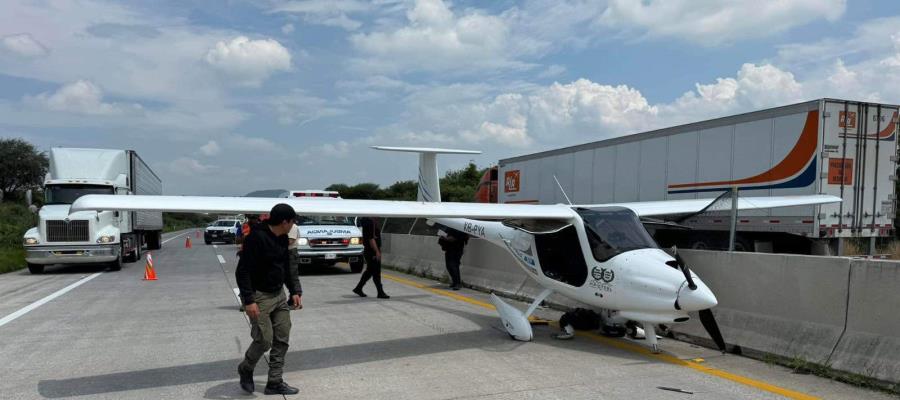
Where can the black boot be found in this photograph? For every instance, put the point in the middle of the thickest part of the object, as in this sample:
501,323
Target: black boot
383,295
359,292
280,388
246,380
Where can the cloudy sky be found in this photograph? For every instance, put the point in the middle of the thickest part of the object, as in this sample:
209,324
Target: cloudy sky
229,96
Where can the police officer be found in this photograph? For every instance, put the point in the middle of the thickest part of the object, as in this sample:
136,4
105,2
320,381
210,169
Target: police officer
372,254
262,273
453,242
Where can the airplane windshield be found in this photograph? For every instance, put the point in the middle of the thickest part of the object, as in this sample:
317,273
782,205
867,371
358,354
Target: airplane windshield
613,231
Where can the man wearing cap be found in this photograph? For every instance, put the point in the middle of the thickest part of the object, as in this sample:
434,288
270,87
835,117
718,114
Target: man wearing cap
262,273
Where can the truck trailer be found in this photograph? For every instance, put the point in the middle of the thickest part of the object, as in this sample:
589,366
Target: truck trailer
109,237
829,146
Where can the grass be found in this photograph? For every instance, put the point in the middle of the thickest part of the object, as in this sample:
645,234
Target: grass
15,219
11,259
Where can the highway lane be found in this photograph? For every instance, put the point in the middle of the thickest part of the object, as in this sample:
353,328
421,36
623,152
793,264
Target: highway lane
117,337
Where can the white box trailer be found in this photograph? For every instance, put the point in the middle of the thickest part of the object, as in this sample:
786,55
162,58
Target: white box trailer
830,146
90,236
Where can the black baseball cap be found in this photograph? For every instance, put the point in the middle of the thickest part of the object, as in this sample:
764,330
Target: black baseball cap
280,213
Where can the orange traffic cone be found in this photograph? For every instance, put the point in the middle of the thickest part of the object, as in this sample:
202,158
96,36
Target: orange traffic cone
149,274
187,242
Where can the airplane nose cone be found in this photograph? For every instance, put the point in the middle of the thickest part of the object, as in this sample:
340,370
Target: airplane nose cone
695,300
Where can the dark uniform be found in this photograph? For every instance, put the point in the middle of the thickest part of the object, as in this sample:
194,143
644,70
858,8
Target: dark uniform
373,265
262,272
453,246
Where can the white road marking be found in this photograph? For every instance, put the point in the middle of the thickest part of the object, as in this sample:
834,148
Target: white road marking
215,246
9,318
221,259
176,236
237,293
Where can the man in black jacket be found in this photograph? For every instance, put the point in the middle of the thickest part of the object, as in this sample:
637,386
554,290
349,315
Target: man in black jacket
262,273
453,242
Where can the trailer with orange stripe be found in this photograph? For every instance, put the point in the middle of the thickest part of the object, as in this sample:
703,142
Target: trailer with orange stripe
828,146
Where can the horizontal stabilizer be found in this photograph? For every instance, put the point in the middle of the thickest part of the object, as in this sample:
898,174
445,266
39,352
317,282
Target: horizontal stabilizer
426,150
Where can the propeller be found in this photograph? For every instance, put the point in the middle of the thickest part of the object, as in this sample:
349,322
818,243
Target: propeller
712,328
706,316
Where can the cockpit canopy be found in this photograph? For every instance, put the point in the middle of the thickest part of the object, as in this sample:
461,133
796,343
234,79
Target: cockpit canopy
614,230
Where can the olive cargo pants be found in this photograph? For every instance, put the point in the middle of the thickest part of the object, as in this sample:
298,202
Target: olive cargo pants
271,330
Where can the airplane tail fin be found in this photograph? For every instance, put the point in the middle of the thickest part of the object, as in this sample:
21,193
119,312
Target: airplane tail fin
429,181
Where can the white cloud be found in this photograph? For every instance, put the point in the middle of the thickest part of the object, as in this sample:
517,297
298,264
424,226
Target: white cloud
287,29
81,97
23,44
249,61
211,148
339,149
327,12
541,117
436,39
187,166
713,22
299,108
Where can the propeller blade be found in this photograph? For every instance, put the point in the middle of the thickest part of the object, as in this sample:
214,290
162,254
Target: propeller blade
709,323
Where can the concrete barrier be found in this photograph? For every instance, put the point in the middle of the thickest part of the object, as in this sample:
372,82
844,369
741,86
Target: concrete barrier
871,344
828,310
788,305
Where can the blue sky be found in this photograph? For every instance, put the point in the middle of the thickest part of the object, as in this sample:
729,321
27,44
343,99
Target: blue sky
225,97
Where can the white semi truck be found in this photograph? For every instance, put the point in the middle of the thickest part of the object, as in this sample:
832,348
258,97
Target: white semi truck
109,237
838,147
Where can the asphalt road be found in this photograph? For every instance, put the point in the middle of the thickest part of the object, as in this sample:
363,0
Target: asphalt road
115,336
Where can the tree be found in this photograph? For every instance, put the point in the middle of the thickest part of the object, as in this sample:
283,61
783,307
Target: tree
22,166
457,185
401,190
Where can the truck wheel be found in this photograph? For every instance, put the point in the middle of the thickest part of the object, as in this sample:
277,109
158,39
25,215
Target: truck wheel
117,264
153,241
135,256
208,242
35,268
356,267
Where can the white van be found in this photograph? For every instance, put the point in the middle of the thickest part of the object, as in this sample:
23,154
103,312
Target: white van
326,240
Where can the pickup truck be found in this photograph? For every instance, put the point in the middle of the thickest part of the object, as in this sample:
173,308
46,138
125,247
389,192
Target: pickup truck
327,240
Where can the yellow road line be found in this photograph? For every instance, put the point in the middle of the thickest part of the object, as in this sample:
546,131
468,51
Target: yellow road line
624,345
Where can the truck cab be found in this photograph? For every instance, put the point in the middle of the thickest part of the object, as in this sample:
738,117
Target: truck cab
327,240
109,237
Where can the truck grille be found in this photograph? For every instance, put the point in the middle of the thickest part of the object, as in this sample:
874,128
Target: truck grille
68,231
329,242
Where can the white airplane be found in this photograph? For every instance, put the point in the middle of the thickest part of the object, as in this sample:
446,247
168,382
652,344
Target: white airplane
600,254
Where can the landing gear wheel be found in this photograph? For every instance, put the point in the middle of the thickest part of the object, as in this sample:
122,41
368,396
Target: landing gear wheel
356,267
35,268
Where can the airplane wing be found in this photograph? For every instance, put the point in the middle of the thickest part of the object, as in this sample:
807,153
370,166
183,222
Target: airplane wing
413,209
381,208
693,206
